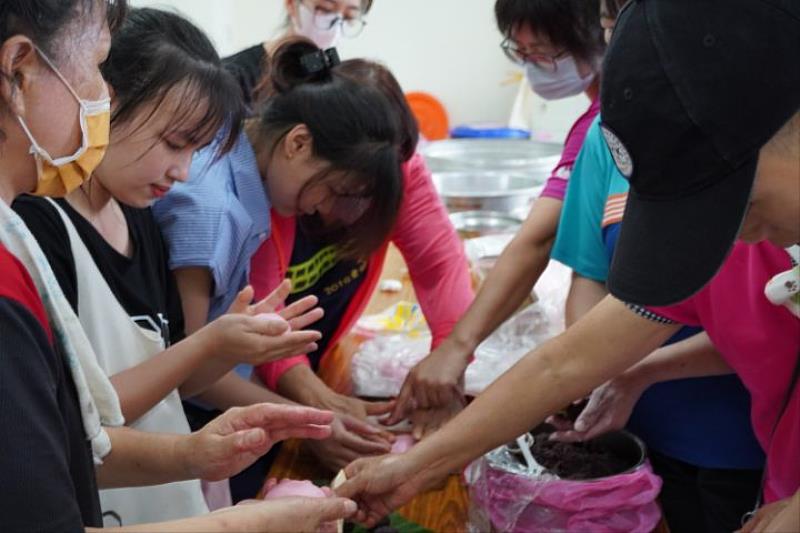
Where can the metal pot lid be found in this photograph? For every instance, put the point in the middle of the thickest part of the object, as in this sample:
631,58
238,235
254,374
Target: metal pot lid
492,154
486,184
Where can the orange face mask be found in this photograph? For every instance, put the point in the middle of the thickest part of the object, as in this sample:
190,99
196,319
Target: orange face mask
60,176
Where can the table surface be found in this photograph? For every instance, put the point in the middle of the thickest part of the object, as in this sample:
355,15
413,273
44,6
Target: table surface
438,510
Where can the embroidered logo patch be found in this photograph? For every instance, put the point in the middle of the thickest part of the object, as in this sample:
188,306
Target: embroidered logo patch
618,151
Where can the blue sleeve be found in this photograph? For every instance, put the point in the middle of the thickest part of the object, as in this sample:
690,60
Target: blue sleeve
202,218
579,242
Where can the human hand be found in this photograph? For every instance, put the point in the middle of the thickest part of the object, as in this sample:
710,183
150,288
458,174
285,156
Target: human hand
253,334
782,516
436,382
285,514
609,408
426,421
355,407
351,438
299,314
235,439
381,484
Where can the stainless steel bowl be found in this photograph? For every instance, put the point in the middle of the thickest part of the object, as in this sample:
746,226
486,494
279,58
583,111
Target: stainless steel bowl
471,224
504,192
531,157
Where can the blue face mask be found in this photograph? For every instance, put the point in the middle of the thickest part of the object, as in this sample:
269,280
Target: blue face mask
562,82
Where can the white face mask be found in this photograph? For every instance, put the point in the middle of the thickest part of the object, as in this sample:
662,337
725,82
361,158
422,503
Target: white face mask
563,82
311,26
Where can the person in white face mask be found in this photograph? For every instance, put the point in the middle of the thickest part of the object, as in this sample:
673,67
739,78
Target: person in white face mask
325,22
560,44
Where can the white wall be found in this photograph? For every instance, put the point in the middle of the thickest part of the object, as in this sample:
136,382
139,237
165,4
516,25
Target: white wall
449,48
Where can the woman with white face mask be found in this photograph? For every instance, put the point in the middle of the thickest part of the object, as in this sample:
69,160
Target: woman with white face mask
325,22
560,44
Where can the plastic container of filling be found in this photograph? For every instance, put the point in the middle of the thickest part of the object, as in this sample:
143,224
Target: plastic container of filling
505,496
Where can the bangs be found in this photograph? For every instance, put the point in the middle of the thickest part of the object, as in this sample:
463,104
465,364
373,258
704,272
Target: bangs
158,56
573,25
220,112
210,89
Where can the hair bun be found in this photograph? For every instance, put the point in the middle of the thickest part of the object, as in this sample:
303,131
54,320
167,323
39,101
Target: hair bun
292,64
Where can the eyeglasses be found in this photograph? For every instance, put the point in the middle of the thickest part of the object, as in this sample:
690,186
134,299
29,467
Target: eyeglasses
521,56
325,19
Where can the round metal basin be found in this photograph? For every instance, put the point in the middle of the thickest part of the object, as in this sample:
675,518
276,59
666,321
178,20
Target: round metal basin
504,192
533,158
471,224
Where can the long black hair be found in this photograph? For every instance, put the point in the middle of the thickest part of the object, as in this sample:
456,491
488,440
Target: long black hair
155,52
573,25
355,128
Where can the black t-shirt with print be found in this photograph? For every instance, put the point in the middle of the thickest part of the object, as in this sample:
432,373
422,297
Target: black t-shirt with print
315,269
142,284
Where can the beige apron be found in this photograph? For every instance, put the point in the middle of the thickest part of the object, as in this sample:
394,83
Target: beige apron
121,344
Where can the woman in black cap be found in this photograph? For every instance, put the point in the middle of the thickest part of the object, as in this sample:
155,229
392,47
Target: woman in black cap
704,170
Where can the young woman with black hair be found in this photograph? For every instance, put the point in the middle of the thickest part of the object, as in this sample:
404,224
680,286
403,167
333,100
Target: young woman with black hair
328,172
59,407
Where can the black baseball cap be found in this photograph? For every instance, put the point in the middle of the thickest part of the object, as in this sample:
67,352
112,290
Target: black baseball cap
691,90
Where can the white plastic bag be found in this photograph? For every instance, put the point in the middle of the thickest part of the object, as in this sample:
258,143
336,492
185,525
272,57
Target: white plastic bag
399,339
381,364
521,333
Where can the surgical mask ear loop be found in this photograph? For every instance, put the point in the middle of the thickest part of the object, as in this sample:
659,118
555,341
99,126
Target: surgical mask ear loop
87,107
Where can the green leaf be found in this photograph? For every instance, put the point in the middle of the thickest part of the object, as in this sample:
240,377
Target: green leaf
402,525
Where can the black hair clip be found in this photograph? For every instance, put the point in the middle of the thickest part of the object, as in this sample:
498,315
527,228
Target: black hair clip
320,61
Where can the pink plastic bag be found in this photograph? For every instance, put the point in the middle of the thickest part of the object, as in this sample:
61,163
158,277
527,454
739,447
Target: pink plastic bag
505,501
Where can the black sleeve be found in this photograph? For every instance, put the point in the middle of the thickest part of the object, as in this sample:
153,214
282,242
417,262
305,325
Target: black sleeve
177,327
37,492
172,297
246,66
46,225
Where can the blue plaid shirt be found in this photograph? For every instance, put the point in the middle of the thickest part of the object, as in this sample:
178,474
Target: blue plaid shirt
217,219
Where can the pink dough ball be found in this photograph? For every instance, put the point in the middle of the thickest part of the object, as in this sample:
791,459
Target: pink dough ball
403,443
274,317
292,487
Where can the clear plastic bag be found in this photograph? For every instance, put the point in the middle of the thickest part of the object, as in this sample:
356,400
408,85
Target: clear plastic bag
398,338
381,364
503,497
383,361
517,336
